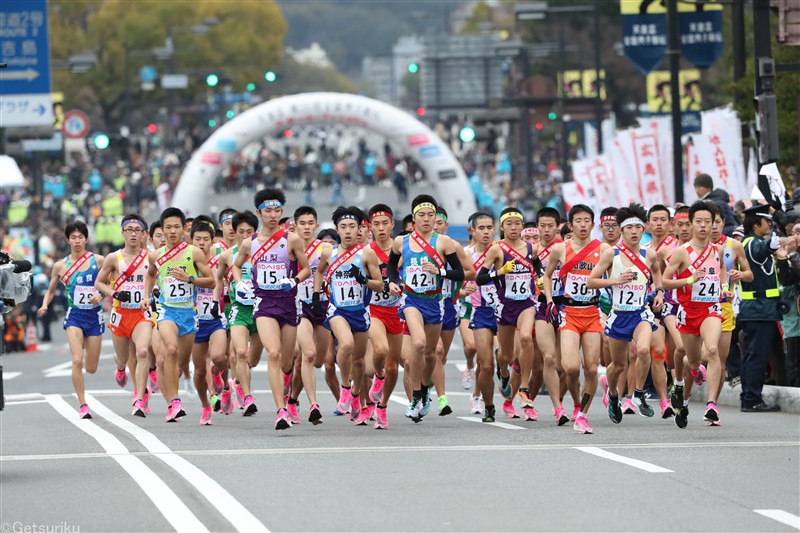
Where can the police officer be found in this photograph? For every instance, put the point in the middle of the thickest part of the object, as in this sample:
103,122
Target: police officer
758,312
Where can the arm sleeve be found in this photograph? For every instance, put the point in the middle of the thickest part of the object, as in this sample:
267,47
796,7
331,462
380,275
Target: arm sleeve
456,270
759,250
485,277
391,268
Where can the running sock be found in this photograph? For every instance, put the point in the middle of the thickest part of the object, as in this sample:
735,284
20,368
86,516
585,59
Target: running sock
679,383
152,369
292,401
639,393
417,395
348,388
686,403
424,391
613,397
381,406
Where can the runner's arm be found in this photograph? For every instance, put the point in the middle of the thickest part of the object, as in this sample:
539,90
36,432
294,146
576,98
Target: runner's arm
109,265
375,282
740,259
55,277
149,281
296,244
456,270
547,279
395,254
222,268
678,260
241,259
485,276
466,263
206,277
596,279
322,267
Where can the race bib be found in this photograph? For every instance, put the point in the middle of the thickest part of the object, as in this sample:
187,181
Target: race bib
115,319
418,280
558,286
489,295
269,275
385,299
205,303
706,289
137,295
348,292
577,289
518,286
629,296
83,295
176,291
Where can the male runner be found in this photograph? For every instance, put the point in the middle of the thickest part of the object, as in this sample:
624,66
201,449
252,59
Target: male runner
126,270
83,322
280,264
240,319
386,328
178,268
581,325
515,266
628,269
611,235
423,253
702,281
228,239
342,267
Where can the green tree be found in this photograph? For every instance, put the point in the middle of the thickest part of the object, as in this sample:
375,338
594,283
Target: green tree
247,39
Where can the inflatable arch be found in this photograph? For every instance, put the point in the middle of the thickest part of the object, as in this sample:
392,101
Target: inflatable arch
417,140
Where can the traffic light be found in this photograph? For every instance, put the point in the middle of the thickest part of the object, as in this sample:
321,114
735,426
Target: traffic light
251,86
413,68
467,134
767,127
101,141
287,133
270,76
212,80
230,114
421,111
552,115
539,126
152,128
212,123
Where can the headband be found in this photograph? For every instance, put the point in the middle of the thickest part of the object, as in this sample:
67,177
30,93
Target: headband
511,214
441,215
423,205
224,218
346,216
633,221
530,231
269,203
608,218
681,215
380,214
134,221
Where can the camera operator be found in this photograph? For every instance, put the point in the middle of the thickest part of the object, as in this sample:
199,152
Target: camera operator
789,276
760,308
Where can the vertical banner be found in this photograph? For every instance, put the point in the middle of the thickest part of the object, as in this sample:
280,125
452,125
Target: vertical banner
586,188
701,33
648,168
623,171
644,32
599,174
723,129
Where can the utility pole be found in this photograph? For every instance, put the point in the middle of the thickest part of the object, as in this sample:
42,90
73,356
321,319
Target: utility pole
674,53
526,119
598,58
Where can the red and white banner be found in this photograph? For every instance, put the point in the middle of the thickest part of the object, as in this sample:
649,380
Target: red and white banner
648,169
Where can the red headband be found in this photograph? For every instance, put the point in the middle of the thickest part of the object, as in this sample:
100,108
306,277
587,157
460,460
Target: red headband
608,218
682,214
380,214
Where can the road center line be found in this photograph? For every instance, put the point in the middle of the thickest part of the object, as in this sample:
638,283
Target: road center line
779,515
11,375
167,502
647,467
495,424
215,494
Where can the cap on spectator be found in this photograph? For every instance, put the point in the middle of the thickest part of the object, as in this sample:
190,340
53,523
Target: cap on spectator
759,210
704,180
739,231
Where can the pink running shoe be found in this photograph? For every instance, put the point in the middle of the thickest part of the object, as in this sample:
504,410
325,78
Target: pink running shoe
146,401
561,416
239,394
376,391
355,407
84,412
282,422
508,409
515,368
205,416
699,375
666,409
249,406
216,381
582,425
121,376
344,402
604,383
530,414
628,406
177,406
152,376
225,403
294,412
138,409
363,418
711,416
287,385
171,412
381,421
575,412
315,415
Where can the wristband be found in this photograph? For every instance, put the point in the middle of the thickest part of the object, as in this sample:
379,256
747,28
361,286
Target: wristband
659,289
442,272
690,280
492,274
725,288
296,280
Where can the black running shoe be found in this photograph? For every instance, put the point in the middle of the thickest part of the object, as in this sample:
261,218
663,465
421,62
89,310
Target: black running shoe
614,410
642,406
315,416
677,397
488,415
682,417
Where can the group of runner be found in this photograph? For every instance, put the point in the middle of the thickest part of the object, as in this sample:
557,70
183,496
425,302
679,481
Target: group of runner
534,307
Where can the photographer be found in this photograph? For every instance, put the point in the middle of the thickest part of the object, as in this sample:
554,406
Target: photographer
760,311
789,276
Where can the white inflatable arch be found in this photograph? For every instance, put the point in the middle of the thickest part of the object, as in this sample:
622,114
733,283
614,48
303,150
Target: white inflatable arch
418,141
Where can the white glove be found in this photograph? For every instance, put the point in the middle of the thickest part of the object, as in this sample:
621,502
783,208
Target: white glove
775,242
245,291
287,284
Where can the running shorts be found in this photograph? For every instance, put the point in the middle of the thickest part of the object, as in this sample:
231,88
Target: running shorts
432,309
621,324
123,321
389,317
183,317
206,328
581,319
90,321
689,320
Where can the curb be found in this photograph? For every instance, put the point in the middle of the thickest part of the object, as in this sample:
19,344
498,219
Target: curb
787,397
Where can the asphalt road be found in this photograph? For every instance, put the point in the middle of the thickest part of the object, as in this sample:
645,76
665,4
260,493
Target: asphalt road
121,473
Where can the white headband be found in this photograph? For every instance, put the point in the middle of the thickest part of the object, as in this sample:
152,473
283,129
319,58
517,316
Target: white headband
633,221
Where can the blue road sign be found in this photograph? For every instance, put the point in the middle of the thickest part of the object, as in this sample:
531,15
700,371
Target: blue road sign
25,98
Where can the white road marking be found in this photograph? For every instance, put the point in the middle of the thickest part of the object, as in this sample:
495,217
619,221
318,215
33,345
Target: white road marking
11,375
494,424
779,515
170,505
23,402
461,366
215,494
647,467
24,396
59,370
43,347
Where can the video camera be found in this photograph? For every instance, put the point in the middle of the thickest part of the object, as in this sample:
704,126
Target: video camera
15,282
